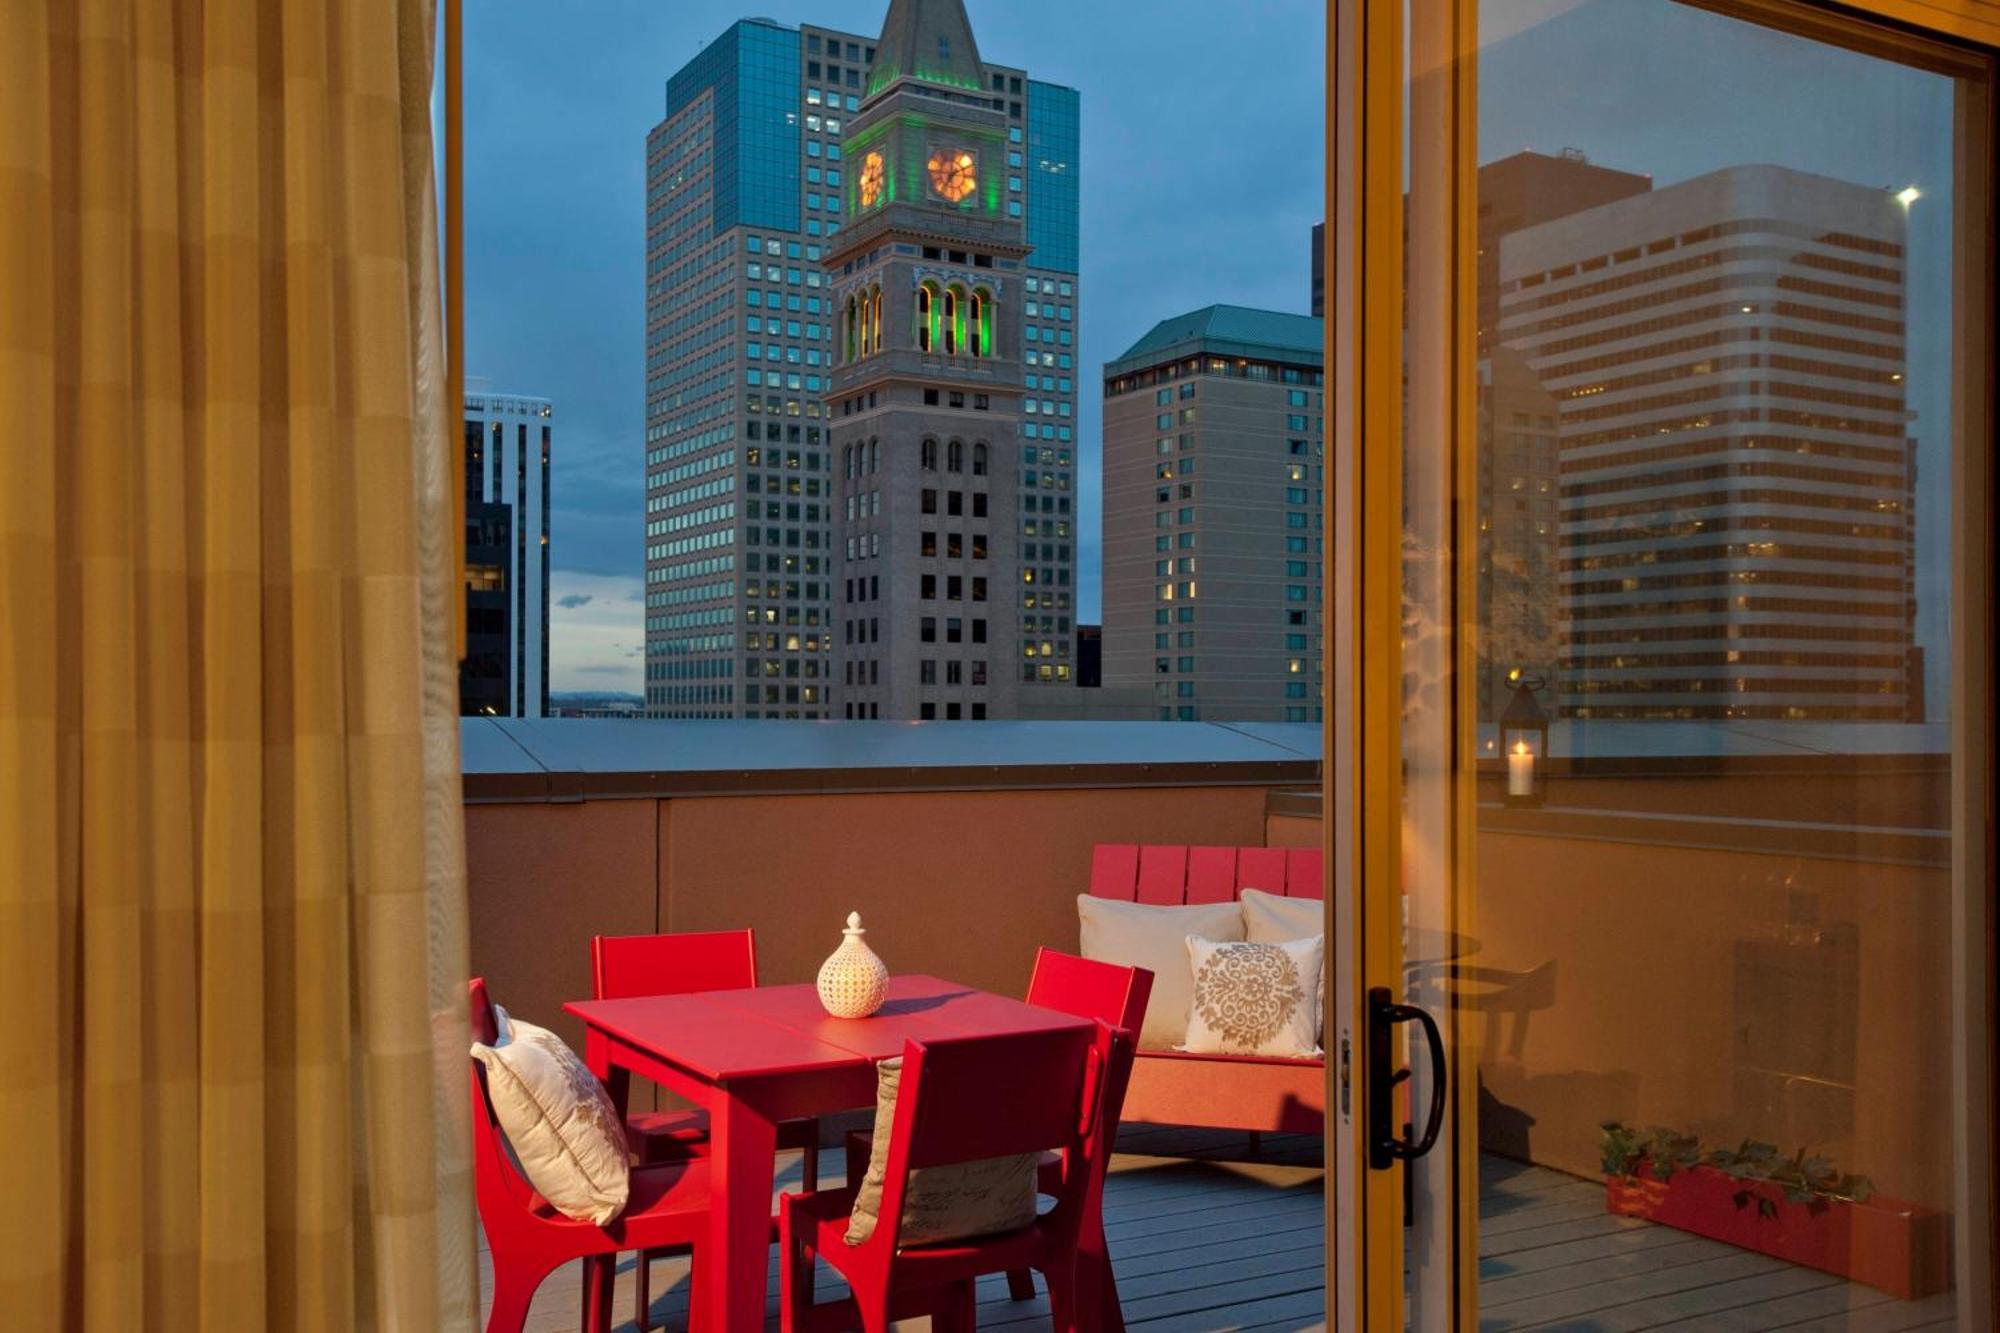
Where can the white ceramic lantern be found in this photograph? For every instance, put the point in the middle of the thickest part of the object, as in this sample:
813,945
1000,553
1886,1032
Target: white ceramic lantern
853,982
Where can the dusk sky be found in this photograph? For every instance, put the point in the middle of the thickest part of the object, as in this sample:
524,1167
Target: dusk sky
1201,177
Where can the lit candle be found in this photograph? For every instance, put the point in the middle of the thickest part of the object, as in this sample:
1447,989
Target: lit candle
1520,770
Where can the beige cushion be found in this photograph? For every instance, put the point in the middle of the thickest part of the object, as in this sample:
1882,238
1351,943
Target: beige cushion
941,1203
1255,999
1271,919
558,1119
1155,938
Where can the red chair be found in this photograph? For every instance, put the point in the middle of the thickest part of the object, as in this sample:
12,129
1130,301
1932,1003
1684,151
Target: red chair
1113,995
622,966
961,1100
668,1210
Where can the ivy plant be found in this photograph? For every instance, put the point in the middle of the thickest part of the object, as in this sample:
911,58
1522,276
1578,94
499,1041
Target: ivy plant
1807,1179
1810,1180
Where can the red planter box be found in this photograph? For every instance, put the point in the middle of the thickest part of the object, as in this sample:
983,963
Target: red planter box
1901,1248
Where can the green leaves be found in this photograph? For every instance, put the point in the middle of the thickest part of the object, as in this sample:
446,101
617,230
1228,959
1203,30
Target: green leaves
1811,1181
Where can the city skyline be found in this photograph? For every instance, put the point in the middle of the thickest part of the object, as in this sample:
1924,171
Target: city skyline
1257,184
550,280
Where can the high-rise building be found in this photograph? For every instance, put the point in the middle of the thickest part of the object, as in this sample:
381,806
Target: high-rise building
750,178
507,443
1516,487
1726,361
1213,521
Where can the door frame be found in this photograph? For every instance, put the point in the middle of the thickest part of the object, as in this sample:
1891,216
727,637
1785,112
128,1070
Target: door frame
1366,73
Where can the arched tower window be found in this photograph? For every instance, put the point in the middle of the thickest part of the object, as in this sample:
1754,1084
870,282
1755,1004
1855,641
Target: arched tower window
982,321
926,317
955,456
851,324
954,320
875,318
874,454
979,459
930,455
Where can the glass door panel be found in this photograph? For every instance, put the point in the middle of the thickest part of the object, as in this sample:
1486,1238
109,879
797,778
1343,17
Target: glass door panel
1694,661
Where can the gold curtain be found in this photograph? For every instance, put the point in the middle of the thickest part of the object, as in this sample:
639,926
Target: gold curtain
232,927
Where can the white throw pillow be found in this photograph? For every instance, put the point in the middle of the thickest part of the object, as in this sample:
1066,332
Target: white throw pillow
558,1119
1255,999
941,1203
1270,918
1155,938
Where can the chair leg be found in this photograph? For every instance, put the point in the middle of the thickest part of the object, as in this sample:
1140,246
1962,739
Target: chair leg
957,1310
513,1293
792,1304
600,1276
1020,1284
642,1292
1061,1278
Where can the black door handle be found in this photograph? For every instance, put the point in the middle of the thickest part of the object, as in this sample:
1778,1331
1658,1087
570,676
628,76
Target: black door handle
1386,1146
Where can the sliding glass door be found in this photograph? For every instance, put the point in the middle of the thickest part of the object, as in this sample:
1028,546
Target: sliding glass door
1662,374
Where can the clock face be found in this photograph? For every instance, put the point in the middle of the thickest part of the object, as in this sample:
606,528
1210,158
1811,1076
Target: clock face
872,176
954,174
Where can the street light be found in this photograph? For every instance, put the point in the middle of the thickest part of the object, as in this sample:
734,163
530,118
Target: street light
1908,195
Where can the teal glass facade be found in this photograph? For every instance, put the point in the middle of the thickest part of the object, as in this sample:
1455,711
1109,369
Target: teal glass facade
753,72
1054,142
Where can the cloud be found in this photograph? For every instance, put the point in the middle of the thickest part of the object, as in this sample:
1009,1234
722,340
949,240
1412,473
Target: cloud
597,631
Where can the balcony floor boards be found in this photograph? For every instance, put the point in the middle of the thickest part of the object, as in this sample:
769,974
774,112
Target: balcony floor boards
1207,1239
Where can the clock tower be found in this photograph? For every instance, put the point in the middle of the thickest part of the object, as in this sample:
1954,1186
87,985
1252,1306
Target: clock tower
925,404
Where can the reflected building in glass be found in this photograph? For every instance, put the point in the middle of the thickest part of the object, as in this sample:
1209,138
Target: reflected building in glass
1516,486
749,179
1726,362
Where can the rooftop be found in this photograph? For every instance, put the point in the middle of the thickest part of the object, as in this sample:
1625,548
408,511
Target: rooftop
1226,330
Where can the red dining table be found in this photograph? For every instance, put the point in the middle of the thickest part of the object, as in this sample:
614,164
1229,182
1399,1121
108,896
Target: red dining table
756,1057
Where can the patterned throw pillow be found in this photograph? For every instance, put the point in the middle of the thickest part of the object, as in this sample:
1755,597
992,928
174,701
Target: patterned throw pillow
558,1120
1255,999
941,1203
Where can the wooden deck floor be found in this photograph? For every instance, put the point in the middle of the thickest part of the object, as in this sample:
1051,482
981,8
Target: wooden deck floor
1205,1242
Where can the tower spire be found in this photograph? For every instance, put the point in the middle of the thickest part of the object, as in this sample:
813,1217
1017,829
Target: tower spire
930,41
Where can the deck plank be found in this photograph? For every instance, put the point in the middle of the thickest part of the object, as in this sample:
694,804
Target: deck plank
1220,1240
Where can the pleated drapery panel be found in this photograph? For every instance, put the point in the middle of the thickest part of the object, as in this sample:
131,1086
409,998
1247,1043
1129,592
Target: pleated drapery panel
232,920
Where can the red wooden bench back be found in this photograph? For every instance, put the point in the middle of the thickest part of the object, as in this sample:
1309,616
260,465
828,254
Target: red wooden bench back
1167,875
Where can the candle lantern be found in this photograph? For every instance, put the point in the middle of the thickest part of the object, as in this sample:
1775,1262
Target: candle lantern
1524,742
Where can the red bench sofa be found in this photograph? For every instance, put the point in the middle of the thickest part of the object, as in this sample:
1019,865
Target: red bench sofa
1247,1092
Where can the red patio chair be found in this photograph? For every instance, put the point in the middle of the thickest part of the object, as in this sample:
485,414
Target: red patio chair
622,966
668,1210
961,1100
1087,988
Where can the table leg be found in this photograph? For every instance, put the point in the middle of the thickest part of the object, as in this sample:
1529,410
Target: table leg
743,1141
617,1080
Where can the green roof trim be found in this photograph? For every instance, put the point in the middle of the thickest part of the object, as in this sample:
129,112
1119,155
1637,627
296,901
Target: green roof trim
1227,330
